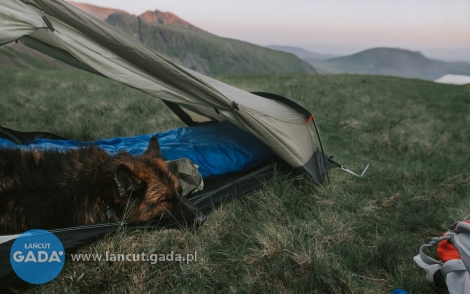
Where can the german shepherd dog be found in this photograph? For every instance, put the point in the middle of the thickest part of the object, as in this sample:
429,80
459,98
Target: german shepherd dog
58,189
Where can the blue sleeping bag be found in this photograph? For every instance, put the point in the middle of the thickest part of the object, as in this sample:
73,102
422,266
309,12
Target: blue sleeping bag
217,149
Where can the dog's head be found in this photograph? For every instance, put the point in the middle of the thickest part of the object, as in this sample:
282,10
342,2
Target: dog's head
147,191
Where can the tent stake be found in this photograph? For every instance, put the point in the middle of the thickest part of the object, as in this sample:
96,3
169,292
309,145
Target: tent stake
353,173
330,160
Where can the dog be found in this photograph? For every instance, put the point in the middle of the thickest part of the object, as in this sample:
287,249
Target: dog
57,189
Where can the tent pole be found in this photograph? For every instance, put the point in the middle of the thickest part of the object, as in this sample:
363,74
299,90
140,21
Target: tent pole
321,147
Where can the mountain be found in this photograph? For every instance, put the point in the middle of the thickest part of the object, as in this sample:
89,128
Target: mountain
97,11
204,52
166,18
392,62
302,53
180,42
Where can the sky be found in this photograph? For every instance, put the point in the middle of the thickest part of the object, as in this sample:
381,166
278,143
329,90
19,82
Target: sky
437,28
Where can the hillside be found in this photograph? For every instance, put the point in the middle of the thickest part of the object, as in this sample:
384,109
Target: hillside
180,42
202,51
392,62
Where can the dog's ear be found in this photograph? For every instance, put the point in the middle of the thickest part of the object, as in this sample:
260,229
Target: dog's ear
153,149
127,183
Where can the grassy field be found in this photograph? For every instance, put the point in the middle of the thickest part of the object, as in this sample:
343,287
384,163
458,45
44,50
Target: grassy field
356,235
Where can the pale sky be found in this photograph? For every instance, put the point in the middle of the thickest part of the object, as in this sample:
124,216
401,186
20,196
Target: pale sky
438,28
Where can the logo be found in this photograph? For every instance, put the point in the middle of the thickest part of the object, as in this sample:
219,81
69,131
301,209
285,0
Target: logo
37,256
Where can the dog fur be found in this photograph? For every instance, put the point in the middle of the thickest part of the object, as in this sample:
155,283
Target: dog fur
57,189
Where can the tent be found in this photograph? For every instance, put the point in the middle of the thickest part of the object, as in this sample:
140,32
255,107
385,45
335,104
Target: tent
68,34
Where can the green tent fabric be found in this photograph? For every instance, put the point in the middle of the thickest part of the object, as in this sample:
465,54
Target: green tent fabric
60,30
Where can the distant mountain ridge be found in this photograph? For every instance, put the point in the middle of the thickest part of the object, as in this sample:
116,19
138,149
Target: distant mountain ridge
151,16
381,61
204,52
394,62
164,18
302,53
185,44
97,11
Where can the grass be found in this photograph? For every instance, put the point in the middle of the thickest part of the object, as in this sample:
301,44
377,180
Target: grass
78,105
356,235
